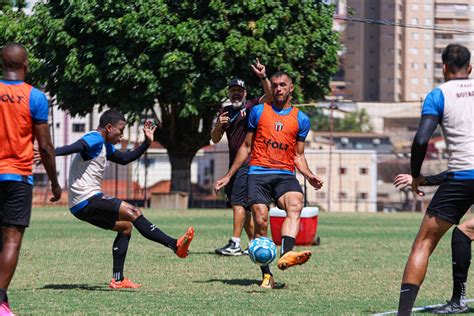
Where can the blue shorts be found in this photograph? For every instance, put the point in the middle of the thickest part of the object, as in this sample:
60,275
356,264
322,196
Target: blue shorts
236,189
265,188
452,200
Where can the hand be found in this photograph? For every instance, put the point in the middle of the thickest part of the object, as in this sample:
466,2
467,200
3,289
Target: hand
416,183
259,69
315,181
223,119
36,156
402,181
149,130
220,184
56,189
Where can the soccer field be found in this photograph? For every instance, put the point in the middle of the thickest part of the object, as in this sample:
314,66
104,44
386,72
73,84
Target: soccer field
65,266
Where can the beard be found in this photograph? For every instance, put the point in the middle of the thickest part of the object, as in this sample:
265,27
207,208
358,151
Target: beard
237,104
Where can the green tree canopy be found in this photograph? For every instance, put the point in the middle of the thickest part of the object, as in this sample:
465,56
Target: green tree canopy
131,55
357,121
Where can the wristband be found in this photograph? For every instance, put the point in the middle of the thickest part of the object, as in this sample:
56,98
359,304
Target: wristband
263,78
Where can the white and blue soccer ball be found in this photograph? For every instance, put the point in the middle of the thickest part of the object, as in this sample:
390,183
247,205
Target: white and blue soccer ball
262,251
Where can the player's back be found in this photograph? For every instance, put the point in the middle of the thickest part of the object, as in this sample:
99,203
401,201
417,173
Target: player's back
16,128
457,122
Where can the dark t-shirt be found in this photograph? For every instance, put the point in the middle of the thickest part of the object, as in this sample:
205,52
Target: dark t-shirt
236,129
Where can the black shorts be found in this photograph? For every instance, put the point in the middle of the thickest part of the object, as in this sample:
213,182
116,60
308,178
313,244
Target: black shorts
265,188
15,203
101,211
452,200
236,189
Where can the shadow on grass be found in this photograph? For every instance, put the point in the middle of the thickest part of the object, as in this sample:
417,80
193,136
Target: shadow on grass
85,287
242,282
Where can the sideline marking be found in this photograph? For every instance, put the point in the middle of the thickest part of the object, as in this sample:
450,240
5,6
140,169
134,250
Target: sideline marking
418,309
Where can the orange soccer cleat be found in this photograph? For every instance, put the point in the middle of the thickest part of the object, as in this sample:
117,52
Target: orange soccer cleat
124,284
183,243
292,258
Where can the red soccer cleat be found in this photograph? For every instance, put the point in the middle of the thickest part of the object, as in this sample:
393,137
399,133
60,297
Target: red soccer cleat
183,243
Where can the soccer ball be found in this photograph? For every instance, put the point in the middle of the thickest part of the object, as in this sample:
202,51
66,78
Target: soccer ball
262,251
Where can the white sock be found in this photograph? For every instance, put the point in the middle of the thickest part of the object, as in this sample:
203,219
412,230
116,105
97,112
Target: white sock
236,240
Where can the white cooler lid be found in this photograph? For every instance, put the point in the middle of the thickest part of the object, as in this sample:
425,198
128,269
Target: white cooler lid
308,212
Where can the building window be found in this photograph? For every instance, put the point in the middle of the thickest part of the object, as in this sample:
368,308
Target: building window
362,195
320,195
320,171
342,170
364,171
78,127
342,195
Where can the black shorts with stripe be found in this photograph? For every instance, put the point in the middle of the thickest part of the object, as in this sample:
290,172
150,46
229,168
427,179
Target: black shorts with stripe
452,200
101,211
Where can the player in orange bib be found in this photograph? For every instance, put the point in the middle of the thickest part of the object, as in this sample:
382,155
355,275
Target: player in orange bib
275,140
23,116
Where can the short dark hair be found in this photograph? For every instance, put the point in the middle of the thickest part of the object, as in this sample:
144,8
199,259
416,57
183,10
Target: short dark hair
456,56
281,73
111,117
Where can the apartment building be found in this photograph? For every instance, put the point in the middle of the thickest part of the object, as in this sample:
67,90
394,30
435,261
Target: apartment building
401,61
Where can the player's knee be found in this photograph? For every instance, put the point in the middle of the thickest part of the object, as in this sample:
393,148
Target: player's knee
294,208
133,213
261,220
128,229
468,229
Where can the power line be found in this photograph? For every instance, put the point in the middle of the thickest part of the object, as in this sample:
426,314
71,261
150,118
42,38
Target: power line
400,24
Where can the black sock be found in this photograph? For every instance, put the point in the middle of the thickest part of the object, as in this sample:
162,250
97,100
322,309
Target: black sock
408,294
287,244
119,253
151,232
265,270
461,256
3,295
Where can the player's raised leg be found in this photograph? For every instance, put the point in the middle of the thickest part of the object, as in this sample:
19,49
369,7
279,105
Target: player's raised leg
180,246
292,203
260,217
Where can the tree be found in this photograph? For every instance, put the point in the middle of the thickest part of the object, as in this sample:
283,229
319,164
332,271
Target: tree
180,55
357,121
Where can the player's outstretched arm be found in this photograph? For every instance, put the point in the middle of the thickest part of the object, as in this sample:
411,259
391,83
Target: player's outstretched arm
77,147
260,70
124,158
302,165
240,158
46,151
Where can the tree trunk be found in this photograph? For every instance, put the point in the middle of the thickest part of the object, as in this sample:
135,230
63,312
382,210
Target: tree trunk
181,170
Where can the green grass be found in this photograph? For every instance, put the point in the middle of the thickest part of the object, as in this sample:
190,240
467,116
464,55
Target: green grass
65,266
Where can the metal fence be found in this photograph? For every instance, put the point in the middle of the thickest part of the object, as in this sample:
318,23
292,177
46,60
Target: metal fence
354,180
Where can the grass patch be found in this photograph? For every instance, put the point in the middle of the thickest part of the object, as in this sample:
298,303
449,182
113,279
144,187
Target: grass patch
66,264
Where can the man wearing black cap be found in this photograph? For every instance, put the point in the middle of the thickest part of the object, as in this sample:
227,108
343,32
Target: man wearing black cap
232,120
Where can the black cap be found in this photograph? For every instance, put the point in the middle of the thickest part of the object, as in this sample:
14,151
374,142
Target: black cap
237,83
